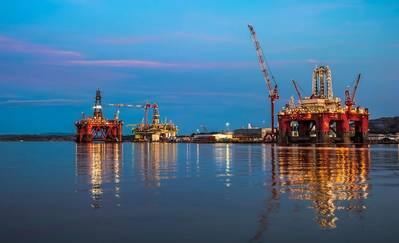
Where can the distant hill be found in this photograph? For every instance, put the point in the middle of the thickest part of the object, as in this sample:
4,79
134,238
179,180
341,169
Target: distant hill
384,125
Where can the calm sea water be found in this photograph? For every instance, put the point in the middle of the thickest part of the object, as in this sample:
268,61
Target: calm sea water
63,192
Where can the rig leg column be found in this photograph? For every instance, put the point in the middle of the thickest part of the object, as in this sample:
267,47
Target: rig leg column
345,131
323,128
120,132
365,129
283,131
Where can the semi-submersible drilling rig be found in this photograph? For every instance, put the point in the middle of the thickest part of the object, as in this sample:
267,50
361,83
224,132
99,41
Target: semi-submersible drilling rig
320,118
89,129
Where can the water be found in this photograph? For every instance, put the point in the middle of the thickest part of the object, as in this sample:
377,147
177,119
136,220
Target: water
63,192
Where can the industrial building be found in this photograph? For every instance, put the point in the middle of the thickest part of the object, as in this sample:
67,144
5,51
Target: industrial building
321,118
251,134
213,137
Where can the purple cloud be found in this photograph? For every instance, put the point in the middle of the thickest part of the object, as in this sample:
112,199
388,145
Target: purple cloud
51,102
312,61
11,45
131,40
157,64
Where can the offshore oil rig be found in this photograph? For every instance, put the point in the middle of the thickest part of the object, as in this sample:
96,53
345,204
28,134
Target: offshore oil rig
157,131
98,128
321,118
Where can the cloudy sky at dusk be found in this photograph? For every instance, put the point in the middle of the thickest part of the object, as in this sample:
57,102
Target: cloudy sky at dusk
195,58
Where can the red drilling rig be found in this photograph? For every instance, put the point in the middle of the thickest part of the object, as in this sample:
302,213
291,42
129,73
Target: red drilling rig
321,117
98,128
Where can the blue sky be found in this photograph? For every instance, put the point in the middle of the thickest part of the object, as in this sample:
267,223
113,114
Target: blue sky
195,58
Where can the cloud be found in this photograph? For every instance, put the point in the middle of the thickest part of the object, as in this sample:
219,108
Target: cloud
312,61
12,45
157,64
216,94
52,102
132,40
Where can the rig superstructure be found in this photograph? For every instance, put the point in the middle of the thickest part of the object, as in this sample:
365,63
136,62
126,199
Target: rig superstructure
321,118
157,130
98,128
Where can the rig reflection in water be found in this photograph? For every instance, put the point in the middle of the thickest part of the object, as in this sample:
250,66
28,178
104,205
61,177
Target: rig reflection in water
99,166
155,162
332,179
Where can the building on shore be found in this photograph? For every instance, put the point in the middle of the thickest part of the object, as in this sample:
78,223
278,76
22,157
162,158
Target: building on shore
251,134
212,137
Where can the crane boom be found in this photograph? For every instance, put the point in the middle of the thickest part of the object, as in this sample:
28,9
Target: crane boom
297,89
355,88
262,62
273,92
118,106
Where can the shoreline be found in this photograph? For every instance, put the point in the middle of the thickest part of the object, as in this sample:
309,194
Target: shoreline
128,138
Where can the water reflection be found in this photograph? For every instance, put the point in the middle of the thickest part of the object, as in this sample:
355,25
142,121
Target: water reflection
329,179
99,166
223,160
332,179
155,162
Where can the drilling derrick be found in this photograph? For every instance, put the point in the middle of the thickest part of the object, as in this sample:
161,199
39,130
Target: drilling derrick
321,118
98,128
97,108
155,115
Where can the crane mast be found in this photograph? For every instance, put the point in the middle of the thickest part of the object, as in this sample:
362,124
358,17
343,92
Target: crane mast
297,90
355,88
350,98
273,91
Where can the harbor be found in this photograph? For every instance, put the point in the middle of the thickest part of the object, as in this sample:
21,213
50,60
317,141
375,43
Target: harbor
199,121
320,118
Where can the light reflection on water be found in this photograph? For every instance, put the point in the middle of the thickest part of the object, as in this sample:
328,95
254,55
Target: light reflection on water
326,187
98,164
104,192
331,179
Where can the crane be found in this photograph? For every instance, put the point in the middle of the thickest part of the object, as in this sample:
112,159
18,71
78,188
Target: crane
350,99
118,106
297,90
273,91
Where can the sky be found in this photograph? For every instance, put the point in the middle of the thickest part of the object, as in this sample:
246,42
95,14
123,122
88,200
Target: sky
194,58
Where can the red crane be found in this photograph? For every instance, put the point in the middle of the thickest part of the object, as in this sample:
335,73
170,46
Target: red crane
350,99
273,91
297,90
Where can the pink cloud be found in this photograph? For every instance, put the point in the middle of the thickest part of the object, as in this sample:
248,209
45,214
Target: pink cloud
312,61
157,64
131,40
41,102
12,45
202,37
